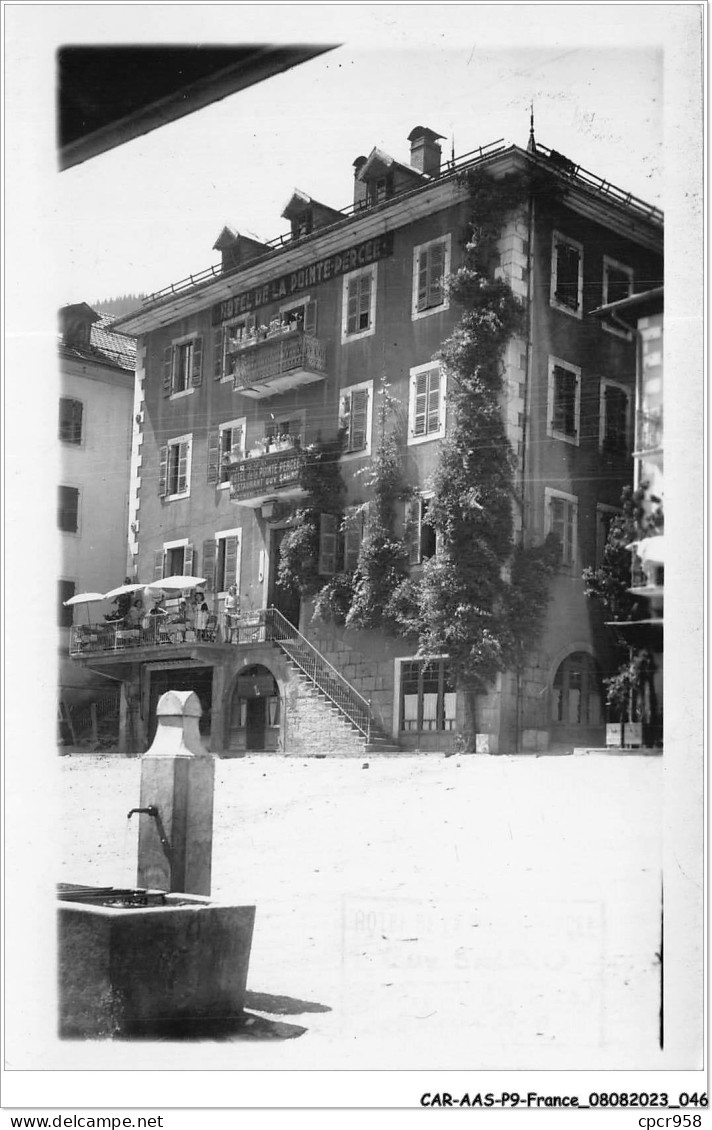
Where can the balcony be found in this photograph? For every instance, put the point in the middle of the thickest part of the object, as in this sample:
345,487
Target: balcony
285,359
275,474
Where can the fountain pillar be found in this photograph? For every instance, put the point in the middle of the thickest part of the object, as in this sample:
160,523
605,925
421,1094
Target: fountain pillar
175,839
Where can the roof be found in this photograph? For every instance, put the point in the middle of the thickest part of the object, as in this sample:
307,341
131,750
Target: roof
107,346
633,307
594,196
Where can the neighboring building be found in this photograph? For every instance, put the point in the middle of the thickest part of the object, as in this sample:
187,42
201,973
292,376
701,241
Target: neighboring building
95,409
290,339
643,316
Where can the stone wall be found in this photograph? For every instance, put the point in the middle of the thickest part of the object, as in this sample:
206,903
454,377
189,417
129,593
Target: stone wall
314,728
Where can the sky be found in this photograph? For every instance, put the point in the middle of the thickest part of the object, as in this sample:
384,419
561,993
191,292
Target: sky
148,212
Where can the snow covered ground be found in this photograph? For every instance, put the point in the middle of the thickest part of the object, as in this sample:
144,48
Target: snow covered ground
420,912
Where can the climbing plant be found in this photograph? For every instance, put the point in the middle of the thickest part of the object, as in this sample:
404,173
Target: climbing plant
479,600
321,478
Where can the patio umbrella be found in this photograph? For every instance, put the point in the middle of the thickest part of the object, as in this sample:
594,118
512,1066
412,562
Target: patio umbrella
113,593
84,598
176,583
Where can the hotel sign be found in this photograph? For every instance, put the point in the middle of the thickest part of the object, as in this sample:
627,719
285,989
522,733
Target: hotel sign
255,477
340,263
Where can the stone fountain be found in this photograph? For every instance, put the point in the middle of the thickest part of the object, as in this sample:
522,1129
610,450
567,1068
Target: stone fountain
164,957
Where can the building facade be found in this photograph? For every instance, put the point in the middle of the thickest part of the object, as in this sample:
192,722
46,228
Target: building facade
285,346
95,411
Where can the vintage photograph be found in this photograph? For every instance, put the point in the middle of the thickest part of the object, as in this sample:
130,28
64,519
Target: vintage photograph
367,746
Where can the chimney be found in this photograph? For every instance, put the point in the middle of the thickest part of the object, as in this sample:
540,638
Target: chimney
424,150
360,188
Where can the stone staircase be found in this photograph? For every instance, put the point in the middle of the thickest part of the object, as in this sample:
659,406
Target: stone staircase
321,680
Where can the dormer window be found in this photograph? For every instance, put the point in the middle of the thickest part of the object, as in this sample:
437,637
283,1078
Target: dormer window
380,188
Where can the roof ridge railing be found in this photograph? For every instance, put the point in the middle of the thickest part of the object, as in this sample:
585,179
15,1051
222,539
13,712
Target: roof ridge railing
450,168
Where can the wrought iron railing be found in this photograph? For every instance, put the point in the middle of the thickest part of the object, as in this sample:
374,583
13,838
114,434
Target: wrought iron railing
86,639
324,676
276,356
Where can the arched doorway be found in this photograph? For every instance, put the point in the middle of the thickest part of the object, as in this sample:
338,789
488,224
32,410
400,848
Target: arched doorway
577,702
255,712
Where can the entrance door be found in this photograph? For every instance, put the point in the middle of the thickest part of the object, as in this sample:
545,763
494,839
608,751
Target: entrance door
286,600
255,723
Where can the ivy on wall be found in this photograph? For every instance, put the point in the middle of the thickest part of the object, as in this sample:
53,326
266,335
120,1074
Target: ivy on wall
321,478
478,600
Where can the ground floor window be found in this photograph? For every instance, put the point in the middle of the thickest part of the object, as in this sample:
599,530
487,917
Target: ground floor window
427,695
576,697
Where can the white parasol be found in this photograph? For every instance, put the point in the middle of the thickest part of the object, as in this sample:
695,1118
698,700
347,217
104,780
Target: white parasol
84,598
113,593
176,583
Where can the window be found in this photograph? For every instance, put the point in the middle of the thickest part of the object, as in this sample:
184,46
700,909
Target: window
70,420
562,520
426,412
379,188
576,692
428,698
226,560
431,266
226,444
65,591
567,275
230,340
174,473
617,281
352,528
420,535
286,427
328,541
617,284
182,366
356,413
615,418
564,401
175,559
303,313
359,304
68,510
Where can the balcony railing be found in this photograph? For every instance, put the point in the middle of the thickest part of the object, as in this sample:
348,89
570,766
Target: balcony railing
87,639
282,361
276,473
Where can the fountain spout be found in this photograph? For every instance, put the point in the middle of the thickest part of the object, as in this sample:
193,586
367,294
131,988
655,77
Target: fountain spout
151,810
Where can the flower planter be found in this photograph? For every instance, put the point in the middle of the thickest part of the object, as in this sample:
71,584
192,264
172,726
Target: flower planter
171,965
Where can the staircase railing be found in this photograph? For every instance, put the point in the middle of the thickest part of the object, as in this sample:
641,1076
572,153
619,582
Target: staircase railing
318,670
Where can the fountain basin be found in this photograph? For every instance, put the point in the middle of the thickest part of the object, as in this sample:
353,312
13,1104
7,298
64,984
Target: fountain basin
143,962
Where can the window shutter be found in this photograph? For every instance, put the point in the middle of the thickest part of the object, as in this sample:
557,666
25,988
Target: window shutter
421,404
197,374
358,420
310,318
364,301
182,468
213,456
209,558
327,545
352,307
412,530
564,401
167,370
231,545
567,275
163,471
158,559
352,543
433,400
435,280
68,509
189,561
218,337
423,260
